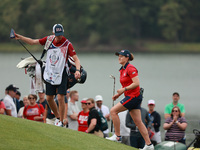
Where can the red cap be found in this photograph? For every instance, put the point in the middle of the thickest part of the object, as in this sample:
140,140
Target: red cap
83,101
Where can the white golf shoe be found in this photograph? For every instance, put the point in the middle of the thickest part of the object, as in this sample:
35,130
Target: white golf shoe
146,147
114,138
58,123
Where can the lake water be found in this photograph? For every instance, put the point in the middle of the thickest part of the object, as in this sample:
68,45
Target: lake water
160,75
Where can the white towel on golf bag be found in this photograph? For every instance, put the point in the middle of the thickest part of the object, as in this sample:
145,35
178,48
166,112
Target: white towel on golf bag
36,82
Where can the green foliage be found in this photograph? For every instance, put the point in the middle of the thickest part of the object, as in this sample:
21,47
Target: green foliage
170,19
103,22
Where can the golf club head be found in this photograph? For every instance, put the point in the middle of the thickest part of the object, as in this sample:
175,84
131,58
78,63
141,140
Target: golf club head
111,76
12,34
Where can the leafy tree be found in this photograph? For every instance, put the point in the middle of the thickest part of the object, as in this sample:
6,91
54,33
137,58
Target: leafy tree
170,19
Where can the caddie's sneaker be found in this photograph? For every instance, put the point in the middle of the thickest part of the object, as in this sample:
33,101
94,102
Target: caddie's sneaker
146,147
58,123
115,138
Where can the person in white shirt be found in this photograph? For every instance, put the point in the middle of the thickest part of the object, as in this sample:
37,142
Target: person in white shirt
8,100
104,110
73,110
21,110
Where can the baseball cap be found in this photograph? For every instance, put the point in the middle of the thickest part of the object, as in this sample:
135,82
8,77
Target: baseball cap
43,91
84,100
125,53
12,87
58,29
98,98
151,101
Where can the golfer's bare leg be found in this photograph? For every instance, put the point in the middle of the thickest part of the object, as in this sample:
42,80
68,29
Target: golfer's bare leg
136,116
115,118
61,102
52,105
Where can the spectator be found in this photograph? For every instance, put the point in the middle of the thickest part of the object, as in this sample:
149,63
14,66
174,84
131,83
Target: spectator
8,100
17,100
43,101
50,117
155,122
104,110
175,126
33,111
168,107
94,120
21,110
83,116
136,139
2,107
124,131
17,96
73,110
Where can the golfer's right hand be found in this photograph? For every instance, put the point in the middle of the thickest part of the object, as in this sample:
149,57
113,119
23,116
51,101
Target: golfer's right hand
115,97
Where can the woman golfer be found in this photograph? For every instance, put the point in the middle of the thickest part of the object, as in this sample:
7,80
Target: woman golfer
131,88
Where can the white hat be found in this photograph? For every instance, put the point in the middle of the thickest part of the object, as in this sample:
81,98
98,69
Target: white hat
98,98
151,101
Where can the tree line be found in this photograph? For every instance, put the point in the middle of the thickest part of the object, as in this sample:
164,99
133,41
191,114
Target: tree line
114,22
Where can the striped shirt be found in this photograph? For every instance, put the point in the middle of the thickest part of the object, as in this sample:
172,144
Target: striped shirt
174,133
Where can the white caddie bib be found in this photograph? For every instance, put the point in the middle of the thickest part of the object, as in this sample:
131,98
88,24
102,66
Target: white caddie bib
55,63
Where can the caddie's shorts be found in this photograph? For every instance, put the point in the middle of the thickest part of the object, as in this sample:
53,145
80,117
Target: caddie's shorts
132,102
61,89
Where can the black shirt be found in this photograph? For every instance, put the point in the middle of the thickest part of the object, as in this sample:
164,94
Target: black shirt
155,118
94,114
44,103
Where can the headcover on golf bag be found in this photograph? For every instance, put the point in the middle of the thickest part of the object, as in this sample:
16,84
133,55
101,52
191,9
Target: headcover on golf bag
71,78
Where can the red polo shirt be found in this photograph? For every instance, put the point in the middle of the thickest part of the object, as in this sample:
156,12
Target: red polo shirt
126,74
71,52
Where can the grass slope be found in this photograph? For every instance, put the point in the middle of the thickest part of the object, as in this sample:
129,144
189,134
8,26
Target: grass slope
19,134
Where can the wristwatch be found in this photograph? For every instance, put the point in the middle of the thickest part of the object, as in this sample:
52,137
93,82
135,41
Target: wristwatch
78,70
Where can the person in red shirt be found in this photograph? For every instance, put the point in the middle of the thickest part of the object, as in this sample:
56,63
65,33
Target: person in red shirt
33,111
83,117
56,69
2,107
131,89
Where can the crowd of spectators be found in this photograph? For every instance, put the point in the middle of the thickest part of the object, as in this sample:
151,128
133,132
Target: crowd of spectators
88,119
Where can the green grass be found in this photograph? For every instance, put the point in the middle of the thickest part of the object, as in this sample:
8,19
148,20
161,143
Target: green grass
14,46
21,134
171,47
142,46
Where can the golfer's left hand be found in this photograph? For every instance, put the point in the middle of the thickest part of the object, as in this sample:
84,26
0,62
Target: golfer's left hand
77,75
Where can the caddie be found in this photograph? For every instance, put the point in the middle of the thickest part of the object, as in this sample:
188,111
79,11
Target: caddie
56,71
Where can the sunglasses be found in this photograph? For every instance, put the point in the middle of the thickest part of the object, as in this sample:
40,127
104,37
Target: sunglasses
174,110
88,103
31,98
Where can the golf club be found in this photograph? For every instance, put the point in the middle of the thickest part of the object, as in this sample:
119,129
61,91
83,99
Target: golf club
113,77
12,36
